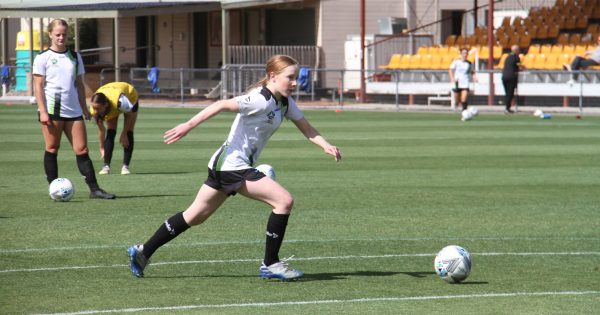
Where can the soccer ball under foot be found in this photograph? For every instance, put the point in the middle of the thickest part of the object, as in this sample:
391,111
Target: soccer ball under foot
61,189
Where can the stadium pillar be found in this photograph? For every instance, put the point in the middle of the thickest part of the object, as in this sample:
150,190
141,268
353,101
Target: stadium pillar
31,55
116,49
490,32
565,101
362,52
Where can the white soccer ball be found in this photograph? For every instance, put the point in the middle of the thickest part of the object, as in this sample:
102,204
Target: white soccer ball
453,264
466,115
61,189
538,113
267,169
474,111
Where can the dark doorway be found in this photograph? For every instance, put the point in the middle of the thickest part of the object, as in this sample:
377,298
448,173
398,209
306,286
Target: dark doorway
291,27
452,23
144,41
200,41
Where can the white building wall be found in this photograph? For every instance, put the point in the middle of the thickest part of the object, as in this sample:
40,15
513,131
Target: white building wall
127,40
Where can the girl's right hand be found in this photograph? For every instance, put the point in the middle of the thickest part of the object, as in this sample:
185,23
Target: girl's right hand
45,119
176,133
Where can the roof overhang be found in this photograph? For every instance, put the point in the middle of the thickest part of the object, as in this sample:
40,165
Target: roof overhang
238,4
93,9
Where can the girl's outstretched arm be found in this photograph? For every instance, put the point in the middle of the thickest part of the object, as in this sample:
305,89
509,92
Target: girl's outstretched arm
179,131
315,137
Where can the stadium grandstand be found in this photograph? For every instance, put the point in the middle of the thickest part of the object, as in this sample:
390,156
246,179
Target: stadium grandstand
549,37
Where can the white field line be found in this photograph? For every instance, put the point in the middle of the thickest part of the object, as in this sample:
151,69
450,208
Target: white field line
257,260
250,242
348,301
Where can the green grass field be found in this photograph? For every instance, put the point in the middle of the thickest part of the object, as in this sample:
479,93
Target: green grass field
520,193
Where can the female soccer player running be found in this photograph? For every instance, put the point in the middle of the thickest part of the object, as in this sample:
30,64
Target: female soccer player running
230,170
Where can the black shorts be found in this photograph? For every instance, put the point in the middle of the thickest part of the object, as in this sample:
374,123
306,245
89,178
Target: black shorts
58,118
456,89
230,182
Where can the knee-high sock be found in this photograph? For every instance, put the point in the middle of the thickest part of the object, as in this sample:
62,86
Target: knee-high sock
86,168
275,231
50,166
129,150
109,145
169,230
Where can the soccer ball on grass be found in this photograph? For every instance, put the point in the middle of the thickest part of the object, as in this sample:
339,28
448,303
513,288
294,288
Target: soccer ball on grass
266,169
453,264
61,189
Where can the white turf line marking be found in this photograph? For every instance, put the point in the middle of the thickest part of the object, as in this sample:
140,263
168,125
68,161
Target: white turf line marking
316,302
257,260
65,248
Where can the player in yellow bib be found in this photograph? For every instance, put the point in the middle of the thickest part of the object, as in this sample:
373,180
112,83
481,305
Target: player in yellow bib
106,104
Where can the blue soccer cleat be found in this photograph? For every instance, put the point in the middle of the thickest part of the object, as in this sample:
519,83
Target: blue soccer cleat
137,260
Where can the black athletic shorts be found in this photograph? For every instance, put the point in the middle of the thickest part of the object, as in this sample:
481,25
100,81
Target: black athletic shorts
230,182
58,118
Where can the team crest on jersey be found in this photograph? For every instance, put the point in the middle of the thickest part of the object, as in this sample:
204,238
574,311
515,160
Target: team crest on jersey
270,117
54,61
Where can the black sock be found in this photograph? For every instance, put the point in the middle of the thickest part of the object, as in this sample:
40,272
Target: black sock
109,145
275,232
465,105
128,151
50,166
169,230
86,168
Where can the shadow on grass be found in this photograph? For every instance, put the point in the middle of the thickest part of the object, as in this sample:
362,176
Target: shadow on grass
161,173
344,275
316,276
151,196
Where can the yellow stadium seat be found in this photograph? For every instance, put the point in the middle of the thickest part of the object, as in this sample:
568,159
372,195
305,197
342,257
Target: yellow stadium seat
415,62
435,62
497,51
528,60
568,49
563,39
500,64
581,22
565,59
540,61
447,61
552,62
425,62
575,39
556,49
534,49
450,40
393,63
546,49
404,61
423,50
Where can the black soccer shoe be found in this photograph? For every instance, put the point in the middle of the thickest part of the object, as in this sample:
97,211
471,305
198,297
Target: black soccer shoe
101,194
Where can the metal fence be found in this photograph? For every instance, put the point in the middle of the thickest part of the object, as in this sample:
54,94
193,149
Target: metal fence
308,56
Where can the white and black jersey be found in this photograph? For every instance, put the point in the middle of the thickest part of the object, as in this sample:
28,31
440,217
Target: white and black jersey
60,70
259,117
463,69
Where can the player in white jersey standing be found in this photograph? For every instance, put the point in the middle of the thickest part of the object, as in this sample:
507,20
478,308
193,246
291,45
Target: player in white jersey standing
60,95
461,72
230,170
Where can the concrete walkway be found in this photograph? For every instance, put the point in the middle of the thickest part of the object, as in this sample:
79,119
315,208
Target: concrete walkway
334,106
497,109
